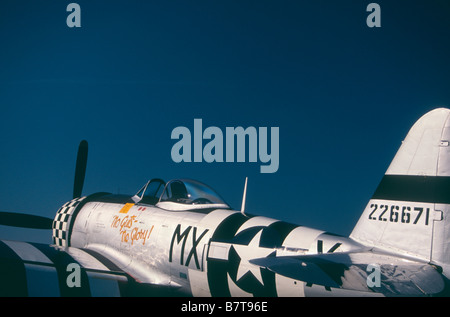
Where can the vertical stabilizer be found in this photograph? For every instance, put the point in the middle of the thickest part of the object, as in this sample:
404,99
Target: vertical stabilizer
409,211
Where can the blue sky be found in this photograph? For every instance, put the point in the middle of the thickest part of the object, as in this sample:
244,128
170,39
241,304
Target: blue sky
342,94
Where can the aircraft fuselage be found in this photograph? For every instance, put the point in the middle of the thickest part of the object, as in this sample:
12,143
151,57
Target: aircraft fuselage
200,252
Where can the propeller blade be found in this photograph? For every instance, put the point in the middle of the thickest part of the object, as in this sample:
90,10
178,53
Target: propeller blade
25,220
80,169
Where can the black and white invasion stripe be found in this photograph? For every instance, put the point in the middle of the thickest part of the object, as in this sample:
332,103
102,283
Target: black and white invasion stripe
39,270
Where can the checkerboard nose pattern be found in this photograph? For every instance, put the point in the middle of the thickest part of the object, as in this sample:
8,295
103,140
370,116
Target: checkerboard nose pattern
63,220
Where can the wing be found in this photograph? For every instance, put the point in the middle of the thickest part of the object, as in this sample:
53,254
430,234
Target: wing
362,271
33,269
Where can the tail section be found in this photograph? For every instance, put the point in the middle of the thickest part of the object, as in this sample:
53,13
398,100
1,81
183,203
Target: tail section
409,211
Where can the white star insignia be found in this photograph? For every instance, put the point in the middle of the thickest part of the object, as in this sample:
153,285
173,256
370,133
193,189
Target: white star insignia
249,252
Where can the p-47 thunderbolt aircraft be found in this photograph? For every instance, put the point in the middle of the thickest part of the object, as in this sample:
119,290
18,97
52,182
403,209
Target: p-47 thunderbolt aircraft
181,238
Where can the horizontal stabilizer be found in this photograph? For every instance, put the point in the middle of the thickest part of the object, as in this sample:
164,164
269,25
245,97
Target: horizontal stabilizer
362,271
302,269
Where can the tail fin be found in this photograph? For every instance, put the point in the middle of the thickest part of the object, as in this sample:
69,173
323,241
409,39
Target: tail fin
409,212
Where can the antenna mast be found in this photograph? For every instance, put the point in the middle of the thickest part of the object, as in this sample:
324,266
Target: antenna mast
244,196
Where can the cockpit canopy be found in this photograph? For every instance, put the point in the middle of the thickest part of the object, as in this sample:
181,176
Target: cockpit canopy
180,194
